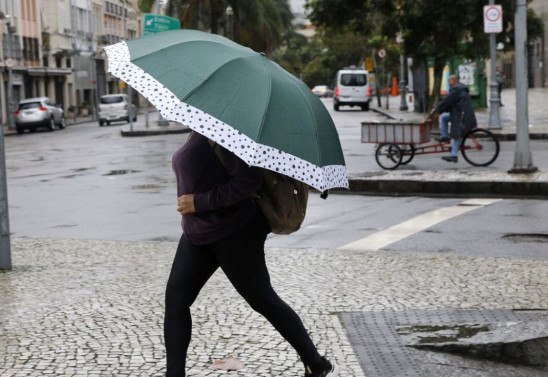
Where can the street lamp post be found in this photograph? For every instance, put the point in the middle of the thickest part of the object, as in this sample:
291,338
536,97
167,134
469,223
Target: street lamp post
403,83
5,245
10,62
523,160
229,13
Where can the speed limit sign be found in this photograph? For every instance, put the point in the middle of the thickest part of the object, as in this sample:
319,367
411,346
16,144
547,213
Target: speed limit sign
382,53
492,19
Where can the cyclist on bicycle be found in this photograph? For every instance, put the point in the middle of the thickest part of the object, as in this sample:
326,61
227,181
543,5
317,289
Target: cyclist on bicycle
461,114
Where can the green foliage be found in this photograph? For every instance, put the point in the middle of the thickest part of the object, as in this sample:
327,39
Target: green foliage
145,6
259,24
439,29
317,60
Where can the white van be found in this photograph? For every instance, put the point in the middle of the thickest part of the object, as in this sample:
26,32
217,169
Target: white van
116,108
352,89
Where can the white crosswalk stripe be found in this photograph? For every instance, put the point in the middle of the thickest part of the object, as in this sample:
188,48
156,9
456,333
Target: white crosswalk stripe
417,224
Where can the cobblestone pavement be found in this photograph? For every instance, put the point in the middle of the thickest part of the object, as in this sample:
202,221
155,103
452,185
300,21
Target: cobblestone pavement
95,308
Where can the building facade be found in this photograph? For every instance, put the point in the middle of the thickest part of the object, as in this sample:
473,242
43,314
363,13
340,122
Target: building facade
54,49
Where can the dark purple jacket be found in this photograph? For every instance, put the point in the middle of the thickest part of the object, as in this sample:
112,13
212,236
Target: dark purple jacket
222,191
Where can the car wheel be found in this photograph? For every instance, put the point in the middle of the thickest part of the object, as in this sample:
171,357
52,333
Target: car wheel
336,107
20,130
101,123
51,124
63,123
32,129
135,118
365,107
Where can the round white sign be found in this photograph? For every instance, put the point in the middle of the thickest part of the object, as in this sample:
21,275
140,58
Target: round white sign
10,62
382,53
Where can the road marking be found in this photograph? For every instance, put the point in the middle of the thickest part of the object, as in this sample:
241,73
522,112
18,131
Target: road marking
417,224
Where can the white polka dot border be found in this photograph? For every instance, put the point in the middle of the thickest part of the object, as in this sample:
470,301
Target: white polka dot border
253,153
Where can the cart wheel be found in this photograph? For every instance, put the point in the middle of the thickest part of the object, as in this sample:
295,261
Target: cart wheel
408,153
388,156
480,147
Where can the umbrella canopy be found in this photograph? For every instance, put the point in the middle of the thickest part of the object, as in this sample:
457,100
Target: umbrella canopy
236,97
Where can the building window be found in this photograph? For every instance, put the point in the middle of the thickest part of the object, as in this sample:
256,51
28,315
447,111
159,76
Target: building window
68,63
58,63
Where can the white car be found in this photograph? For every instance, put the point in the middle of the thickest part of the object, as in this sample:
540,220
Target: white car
116,108
352,89
33,113
322,91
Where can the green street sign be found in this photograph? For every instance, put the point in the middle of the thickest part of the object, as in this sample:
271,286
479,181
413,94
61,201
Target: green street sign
156,23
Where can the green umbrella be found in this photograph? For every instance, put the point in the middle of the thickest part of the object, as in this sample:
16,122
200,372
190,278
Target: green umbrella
236,97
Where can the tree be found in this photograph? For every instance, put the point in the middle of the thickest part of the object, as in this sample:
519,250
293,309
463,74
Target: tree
259,24
437,29
317,60
145,6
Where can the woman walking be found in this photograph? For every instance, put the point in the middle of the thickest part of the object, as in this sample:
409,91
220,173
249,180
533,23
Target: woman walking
223,227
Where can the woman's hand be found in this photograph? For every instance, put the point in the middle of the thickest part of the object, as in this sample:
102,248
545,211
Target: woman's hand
185,204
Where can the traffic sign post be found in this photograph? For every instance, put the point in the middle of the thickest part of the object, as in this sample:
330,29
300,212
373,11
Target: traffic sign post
492,24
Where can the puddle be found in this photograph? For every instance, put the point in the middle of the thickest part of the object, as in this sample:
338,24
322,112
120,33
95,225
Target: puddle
78,170
526,237
441,333
147,187
121,172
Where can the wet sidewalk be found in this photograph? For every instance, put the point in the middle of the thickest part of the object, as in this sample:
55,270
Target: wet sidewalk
95,308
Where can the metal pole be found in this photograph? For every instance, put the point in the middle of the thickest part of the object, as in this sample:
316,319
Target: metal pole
130,110
161,120
403,83
5,247
11,109
494,100
523,161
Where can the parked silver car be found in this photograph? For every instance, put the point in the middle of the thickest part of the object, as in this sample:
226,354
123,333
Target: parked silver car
322,91
33,113
116,108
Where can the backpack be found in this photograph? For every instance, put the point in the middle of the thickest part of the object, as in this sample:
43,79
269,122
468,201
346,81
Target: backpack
281,199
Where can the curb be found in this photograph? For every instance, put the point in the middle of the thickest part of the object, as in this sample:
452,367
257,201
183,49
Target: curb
137,133
488,189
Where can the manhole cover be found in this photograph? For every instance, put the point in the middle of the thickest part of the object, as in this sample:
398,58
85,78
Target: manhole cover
526,237
121,172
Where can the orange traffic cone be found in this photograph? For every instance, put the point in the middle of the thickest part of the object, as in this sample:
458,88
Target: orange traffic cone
395,90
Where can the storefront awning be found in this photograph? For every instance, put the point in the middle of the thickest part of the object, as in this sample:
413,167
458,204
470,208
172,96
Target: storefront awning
39,71
58,71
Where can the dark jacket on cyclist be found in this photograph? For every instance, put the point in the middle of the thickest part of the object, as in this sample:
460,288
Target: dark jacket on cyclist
461,114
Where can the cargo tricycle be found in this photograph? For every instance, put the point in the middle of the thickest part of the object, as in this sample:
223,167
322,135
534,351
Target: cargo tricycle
397,143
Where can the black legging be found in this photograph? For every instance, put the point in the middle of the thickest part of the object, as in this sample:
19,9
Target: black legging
241,257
